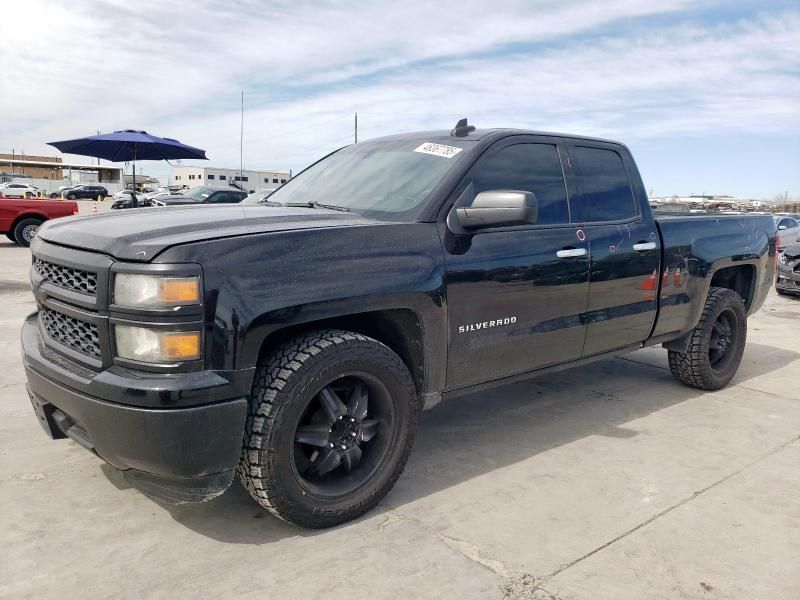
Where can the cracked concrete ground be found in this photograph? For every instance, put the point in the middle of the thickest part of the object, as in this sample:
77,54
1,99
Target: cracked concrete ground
610,481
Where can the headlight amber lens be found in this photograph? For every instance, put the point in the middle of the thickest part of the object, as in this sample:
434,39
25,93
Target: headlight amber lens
155,346
154,291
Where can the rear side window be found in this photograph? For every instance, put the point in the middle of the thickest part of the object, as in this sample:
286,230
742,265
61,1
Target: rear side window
528,167
603,190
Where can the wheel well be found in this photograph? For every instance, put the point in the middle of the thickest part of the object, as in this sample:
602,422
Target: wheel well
41,218
739,279
399,329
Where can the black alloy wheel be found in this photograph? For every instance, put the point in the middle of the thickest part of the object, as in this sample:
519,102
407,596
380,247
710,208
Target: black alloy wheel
724,333
337,443
329,429
716,345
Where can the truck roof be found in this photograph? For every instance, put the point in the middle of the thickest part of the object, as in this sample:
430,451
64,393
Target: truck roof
482,134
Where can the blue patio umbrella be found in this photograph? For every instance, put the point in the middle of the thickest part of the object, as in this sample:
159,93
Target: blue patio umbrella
129,145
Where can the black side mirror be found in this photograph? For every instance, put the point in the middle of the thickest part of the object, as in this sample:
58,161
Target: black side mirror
495,208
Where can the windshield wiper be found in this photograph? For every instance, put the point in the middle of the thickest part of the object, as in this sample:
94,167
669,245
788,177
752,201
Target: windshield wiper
314,204
266,202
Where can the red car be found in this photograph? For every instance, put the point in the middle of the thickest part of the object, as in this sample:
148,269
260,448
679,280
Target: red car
20,218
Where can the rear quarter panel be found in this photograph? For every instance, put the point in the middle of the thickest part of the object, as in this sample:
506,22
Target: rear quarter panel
695,248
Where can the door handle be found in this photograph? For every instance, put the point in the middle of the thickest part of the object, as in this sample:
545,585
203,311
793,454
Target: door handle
571,252
644,246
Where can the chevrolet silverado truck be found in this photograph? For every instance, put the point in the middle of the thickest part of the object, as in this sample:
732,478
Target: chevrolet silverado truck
20,218
294,343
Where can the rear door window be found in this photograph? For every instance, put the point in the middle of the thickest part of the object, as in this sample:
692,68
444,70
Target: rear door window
602,188
527,167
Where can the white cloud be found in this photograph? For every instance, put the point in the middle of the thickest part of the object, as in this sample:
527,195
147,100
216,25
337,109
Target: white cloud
177,70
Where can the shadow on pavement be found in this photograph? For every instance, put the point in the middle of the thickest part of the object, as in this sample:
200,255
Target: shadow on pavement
474,435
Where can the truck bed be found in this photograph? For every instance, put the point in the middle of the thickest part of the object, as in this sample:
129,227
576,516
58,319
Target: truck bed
694,245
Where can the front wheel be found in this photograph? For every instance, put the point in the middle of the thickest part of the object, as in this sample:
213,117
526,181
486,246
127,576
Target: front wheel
716,344
72,197
25,231
330,427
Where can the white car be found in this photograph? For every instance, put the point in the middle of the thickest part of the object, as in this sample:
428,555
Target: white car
124,194
18,190
160,194
788,230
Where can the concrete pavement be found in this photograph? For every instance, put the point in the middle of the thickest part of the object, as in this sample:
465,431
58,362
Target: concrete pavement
610,481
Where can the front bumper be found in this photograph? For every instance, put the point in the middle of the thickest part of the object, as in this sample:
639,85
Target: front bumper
788,280
177,437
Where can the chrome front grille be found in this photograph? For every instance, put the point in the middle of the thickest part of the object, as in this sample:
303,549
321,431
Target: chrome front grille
76,280
71,332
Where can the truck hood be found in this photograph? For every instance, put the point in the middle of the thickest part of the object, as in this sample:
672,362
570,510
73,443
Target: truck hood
141,234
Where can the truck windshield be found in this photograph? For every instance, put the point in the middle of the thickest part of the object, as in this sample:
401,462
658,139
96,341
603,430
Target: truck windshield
390,178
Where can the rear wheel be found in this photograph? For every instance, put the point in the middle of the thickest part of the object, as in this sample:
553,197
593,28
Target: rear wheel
28,195
25,231
330,427
716,344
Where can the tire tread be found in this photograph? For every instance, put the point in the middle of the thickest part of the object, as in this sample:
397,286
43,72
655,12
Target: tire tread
264,417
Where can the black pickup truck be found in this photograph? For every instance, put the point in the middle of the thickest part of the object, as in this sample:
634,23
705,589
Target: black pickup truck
294,343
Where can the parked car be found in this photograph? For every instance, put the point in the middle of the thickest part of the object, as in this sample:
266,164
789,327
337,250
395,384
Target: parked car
788,230
205,194
20,218
18,190
294,345
259,197
85,191
160,193
127,202
788,278
62,189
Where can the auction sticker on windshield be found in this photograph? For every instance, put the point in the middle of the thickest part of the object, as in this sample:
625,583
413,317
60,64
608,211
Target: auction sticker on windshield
438,149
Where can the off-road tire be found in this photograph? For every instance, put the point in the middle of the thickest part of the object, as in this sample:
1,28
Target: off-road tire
20,229
282,386
693,367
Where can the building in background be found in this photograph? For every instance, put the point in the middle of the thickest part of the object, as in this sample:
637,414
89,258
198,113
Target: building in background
143,182
49,172
181,176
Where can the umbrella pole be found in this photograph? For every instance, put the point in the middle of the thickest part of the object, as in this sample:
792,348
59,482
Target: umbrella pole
135,199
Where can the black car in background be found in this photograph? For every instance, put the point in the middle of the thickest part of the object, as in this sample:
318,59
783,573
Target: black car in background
127,202
81,191
206,194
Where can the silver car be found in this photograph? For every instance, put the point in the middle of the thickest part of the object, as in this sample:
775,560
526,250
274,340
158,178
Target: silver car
788,230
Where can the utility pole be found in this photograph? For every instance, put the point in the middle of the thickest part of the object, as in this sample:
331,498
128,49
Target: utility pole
241,144
355,129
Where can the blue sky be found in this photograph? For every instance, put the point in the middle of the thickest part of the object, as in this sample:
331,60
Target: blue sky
706,93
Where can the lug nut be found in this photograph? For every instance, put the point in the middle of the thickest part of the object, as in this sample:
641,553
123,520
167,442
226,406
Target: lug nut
344,447
331,444
352,433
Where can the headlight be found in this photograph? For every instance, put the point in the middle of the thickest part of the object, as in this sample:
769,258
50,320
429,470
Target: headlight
156,346
154,291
